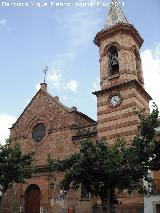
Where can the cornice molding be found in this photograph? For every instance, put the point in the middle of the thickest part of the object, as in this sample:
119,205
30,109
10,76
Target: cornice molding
119,28
132,83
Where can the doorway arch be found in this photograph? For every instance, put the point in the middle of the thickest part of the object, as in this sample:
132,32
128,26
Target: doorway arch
32,199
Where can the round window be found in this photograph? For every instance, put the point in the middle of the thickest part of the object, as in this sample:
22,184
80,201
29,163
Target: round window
39,132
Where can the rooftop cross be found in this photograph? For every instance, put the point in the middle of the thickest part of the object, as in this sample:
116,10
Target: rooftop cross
115,14
45,73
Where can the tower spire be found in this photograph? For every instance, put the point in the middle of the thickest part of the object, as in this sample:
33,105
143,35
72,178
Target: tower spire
115,15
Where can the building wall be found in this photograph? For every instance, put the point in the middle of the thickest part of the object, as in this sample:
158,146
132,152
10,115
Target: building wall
120,121
150,204
62,124
66,127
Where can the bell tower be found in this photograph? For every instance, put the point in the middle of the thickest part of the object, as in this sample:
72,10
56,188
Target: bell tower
121,77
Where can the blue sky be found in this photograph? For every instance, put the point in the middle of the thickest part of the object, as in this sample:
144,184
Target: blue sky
62,38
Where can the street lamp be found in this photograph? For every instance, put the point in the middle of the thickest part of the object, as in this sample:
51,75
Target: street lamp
1,191
52,187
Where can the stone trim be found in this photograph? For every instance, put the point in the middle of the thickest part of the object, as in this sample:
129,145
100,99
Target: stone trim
129,96
122,134
118,126
120,107
132,83
85,132
114,118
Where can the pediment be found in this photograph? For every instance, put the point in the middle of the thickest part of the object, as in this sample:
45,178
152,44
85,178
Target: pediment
42,108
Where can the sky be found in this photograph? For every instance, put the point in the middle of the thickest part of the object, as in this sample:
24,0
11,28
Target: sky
44,32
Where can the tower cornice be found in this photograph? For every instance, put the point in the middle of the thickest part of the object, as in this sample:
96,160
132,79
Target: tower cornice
122,28
132,83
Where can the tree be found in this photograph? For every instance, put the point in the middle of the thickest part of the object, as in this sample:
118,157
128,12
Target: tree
144,146
14,166
105,170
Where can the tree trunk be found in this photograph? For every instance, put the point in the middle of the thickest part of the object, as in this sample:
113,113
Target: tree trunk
108,200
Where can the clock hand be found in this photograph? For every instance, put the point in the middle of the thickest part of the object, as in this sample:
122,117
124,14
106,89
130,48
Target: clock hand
115,100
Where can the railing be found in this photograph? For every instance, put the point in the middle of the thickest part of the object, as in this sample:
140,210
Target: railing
85,132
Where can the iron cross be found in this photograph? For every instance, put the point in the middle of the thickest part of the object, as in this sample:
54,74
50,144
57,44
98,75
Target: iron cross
45,73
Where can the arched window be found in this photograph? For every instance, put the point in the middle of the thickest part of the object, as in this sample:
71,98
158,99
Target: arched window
113,60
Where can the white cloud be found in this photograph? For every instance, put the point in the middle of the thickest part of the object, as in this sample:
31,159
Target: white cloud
157,51
55,77
151,69
72,85
58,81
6,122
4,24
37,87
3,21
95,85
64,98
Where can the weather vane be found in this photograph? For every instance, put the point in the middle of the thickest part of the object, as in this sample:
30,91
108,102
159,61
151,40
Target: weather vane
45,73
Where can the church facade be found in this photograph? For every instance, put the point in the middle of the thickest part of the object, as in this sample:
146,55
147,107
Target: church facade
53,130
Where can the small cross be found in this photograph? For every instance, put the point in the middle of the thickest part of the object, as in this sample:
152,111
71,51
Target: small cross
45,73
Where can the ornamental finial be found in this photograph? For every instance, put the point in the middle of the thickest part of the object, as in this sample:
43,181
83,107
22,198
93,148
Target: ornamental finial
45,73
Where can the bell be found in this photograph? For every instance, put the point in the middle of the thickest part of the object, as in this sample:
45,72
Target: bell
114,60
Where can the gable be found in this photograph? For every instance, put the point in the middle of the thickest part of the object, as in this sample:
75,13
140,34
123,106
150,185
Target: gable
44,108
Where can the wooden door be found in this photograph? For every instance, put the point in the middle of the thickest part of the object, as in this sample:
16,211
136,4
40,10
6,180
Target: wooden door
32,199
158,208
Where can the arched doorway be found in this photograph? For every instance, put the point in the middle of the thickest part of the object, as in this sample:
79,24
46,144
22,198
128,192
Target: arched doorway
32,199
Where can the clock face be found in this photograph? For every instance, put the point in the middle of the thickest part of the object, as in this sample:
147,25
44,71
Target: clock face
115,100
39,132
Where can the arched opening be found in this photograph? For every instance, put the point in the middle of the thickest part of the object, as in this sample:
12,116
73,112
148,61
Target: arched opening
113,60
32,199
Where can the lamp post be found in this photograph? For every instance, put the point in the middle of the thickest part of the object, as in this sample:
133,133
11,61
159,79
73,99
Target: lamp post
52,187
1,192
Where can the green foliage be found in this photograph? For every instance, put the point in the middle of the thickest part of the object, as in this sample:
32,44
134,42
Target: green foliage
14,166
106,169
144,146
